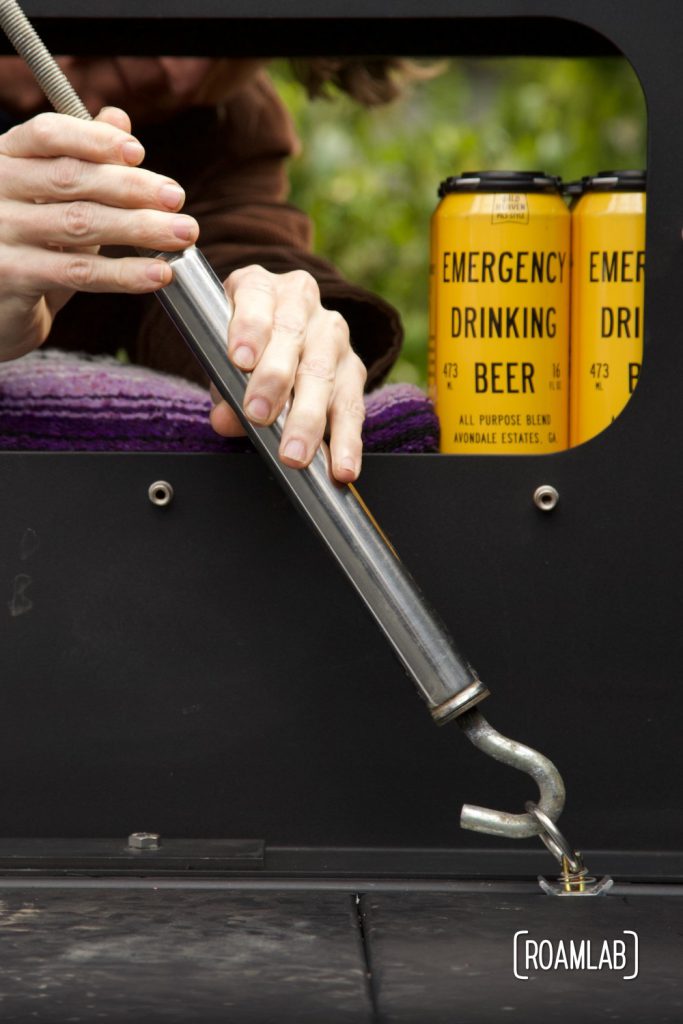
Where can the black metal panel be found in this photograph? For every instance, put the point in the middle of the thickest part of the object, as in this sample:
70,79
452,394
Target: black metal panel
120,857
142,690
438,959
203,669
250,863
422,868
150,954
267,27
278,36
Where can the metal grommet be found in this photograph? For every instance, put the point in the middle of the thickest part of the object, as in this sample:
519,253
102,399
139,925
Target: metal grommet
160,493
546,498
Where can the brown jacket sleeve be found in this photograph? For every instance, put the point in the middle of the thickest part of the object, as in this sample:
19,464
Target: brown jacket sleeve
231,162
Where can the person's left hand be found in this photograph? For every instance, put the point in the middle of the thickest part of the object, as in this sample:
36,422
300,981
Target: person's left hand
289,343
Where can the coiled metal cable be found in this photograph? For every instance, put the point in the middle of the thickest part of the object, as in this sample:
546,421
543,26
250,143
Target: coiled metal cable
49,75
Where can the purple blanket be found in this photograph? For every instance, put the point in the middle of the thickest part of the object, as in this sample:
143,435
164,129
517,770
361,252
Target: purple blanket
58,401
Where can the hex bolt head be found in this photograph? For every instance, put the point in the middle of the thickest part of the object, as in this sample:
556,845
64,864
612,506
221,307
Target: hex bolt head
546,498
144,841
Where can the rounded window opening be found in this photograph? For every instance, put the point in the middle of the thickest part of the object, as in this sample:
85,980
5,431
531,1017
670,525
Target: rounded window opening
520,324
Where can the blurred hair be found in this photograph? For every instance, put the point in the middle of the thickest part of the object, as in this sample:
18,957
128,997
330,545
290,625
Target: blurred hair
369,80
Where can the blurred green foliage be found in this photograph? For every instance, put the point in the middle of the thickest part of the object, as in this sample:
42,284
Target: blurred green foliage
368,178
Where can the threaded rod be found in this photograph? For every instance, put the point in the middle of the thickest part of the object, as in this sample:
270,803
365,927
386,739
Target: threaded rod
46,71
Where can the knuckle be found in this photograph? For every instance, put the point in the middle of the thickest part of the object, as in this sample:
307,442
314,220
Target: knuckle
13,276
305,283
78,220
337,323
351,407
252,326
131,183
148,228
315,366
43,128
309,421
359,367
338,330
276,379
251,268
79,271
10,141
254,274
65,174
123,278
290,324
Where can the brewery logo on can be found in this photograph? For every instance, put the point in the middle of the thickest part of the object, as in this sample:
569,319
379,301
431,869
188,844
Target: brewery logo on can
608,279
499,316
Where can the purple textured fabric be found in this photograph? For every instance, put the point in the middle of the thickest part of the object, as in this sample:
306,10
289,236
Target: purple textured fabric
58,401
400,418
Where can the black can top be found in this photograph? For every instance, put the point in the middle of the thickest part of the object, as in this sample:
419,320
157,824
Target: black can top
574,188
500,181
616,181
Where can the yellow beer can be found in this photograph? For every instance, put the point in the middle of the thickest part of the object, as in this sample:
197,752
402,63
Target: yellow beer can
499,289
608,280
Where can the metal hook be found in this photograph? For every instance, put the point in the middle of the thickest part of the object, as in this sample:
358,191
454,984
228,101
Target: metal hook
517,755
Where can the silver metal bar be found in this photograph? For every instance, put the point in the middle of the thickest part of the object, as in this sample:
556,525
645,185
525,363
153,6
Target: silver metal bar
517,755
196,302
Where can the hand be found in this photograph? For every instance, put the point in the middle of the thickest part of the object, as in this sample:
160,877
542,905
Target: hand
282,335
67,187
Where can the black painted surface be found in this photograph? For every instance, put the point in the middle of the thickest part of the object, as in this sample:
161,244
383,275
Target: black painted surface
147,955
87,33
204,671
399,867
116,857
141,688
449,959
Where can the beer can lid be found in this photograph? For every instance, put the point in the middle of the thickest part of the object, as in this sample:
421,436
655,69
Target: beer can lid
573,188
500,181
616,181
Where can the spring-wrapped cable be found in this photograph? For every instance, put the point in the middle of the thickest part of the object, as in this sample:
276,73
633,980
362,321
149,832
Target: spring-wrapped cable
30,46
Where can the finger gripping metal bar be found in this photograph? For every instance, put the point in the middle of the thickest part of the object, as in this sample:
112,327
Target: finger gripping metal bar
517,755
196,302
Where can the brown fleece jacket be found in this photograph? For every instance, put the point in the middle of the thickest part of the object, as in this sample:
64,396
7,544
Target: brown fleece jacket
231,162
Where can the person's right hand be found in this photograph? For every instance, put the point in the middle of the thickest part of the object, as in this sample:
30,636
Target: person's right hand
67,187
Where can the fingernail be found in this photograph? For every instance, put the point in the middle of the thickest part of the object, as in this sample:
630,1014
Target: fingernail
295,450
348,464
258,409
184,228
244,358
172,196
133,152
159,272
